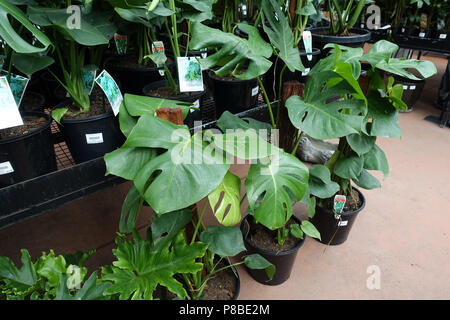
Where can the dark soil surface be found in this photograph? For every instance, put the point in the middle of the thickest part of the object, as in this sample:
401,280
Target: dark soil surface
131,61
163,92
30,123
353,202
99,105
266,239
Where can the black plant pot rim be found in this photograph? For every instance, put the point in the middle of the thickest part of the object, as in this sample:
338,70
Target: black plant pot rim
315,52
213,76
33,132
238,279
82,120
266,252
363,36
162,83
349,213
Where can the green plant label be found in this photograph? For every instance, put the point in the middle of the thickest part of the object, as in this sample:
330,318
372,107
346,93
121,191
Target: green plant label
307,41
339,203
89,74
111,90
189,74
121,43
9,113
158,47
18,85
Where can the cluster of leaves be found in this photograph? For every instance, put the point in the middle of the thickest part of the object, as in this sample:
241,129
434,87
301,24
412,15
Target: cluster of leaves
49,277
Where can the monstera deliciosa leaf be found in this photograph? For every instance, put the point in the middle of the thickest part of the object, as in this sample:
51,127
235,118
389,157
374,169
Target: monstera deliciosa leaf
322,119
143,264
271,185
234,53
9,34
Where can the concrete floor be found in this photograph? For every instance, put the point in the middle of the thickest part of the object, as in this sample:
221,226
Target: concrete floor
403,231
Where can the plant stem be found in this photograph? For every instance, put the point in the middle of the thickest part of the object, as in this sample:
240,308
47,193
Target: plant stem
188,38
280,85
297,142
173,18
266,98
199,221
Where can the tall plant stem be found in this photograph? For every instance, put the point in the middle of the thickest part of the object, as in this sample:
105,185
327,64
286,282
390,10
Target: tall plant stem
199,223
173,18
297,142
266,98
280,86
188,38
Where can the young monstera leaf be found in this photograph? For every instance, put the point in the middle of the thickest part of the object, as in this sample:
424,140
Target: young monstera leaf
234,53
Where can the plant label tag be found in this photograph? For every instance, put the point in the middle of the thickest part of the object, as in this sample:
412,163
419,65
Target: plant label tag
422,35
307,41
405,87
255,91
362,25
190,75
18,85
195,104
443,36
111,90
342,223
385,27
403,30
5,168
9,113
339,203
205,54
158,47
121,43
306,72
412,88
94,138
89,74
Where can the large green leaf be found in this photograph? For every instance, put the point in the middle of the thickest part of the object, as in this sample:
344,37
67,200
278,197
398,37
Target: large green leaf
349,167
196,10
382,117
19,279
273,182
320,183
375,159
233,51
224,241
320,119
280,35
256,261
31,63
139,268
12,38
230,121
367,181
51,267
225,200
309,229
361,143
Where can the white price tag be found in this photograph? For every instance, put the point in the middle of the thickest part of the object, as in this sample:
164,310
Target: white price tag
422,35
306,72
412,88
196,104
255,91
403,30
443,36
5,168
342,223
405,87
94,138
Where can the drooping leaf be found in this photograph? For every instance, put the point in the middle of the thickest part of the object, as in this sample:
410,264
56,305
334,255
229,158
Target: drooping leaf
320,183
383,116
296,231
375,159
224,241
31,63
309,229
230,121
256,261
349,167
367,181
361,143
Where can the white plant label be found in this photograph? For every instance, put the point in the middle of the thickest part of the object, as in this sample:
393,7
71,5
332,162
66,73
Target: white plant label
205,54
443,36
307,42
196,104
405,87
158,46
190,74
255,91
306,72
9,113
422,35
342,223
412,88
403,30
111,90
94,138
5,168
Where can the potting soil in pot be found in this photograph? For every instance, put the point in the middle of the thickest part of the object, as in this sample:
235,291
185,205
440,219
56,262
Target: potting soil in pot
30,123
352,203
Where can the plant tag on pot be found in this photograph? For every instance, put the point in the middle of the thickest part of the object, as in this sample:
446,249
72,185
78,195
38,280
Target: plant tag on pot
89,74
158,47
306,72
339,203
443,36
5,168
111,90
190,74
422,35
121,43
412,88
255,91
195,104
342,223
9,113
405,87
18,85
307,42
205,54
94,138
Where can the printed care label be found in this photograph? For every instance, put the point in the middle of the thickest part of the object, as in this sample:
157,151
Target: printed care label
5,168
111,90
121,43
18,85
158,47
255,91
94,138
9,113
190,74
339,203
307,41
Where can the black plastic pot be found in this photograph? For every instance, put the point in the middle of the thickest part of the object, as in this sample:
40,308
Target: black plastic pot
234,95
334,231
92,137
134,79
30,155
194,97
272,77
356,41
283,260
412,90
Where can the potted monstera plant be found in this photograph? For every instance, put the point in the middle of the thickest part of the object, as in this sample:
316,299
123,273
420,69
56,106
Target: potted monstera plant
26,151
341,103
